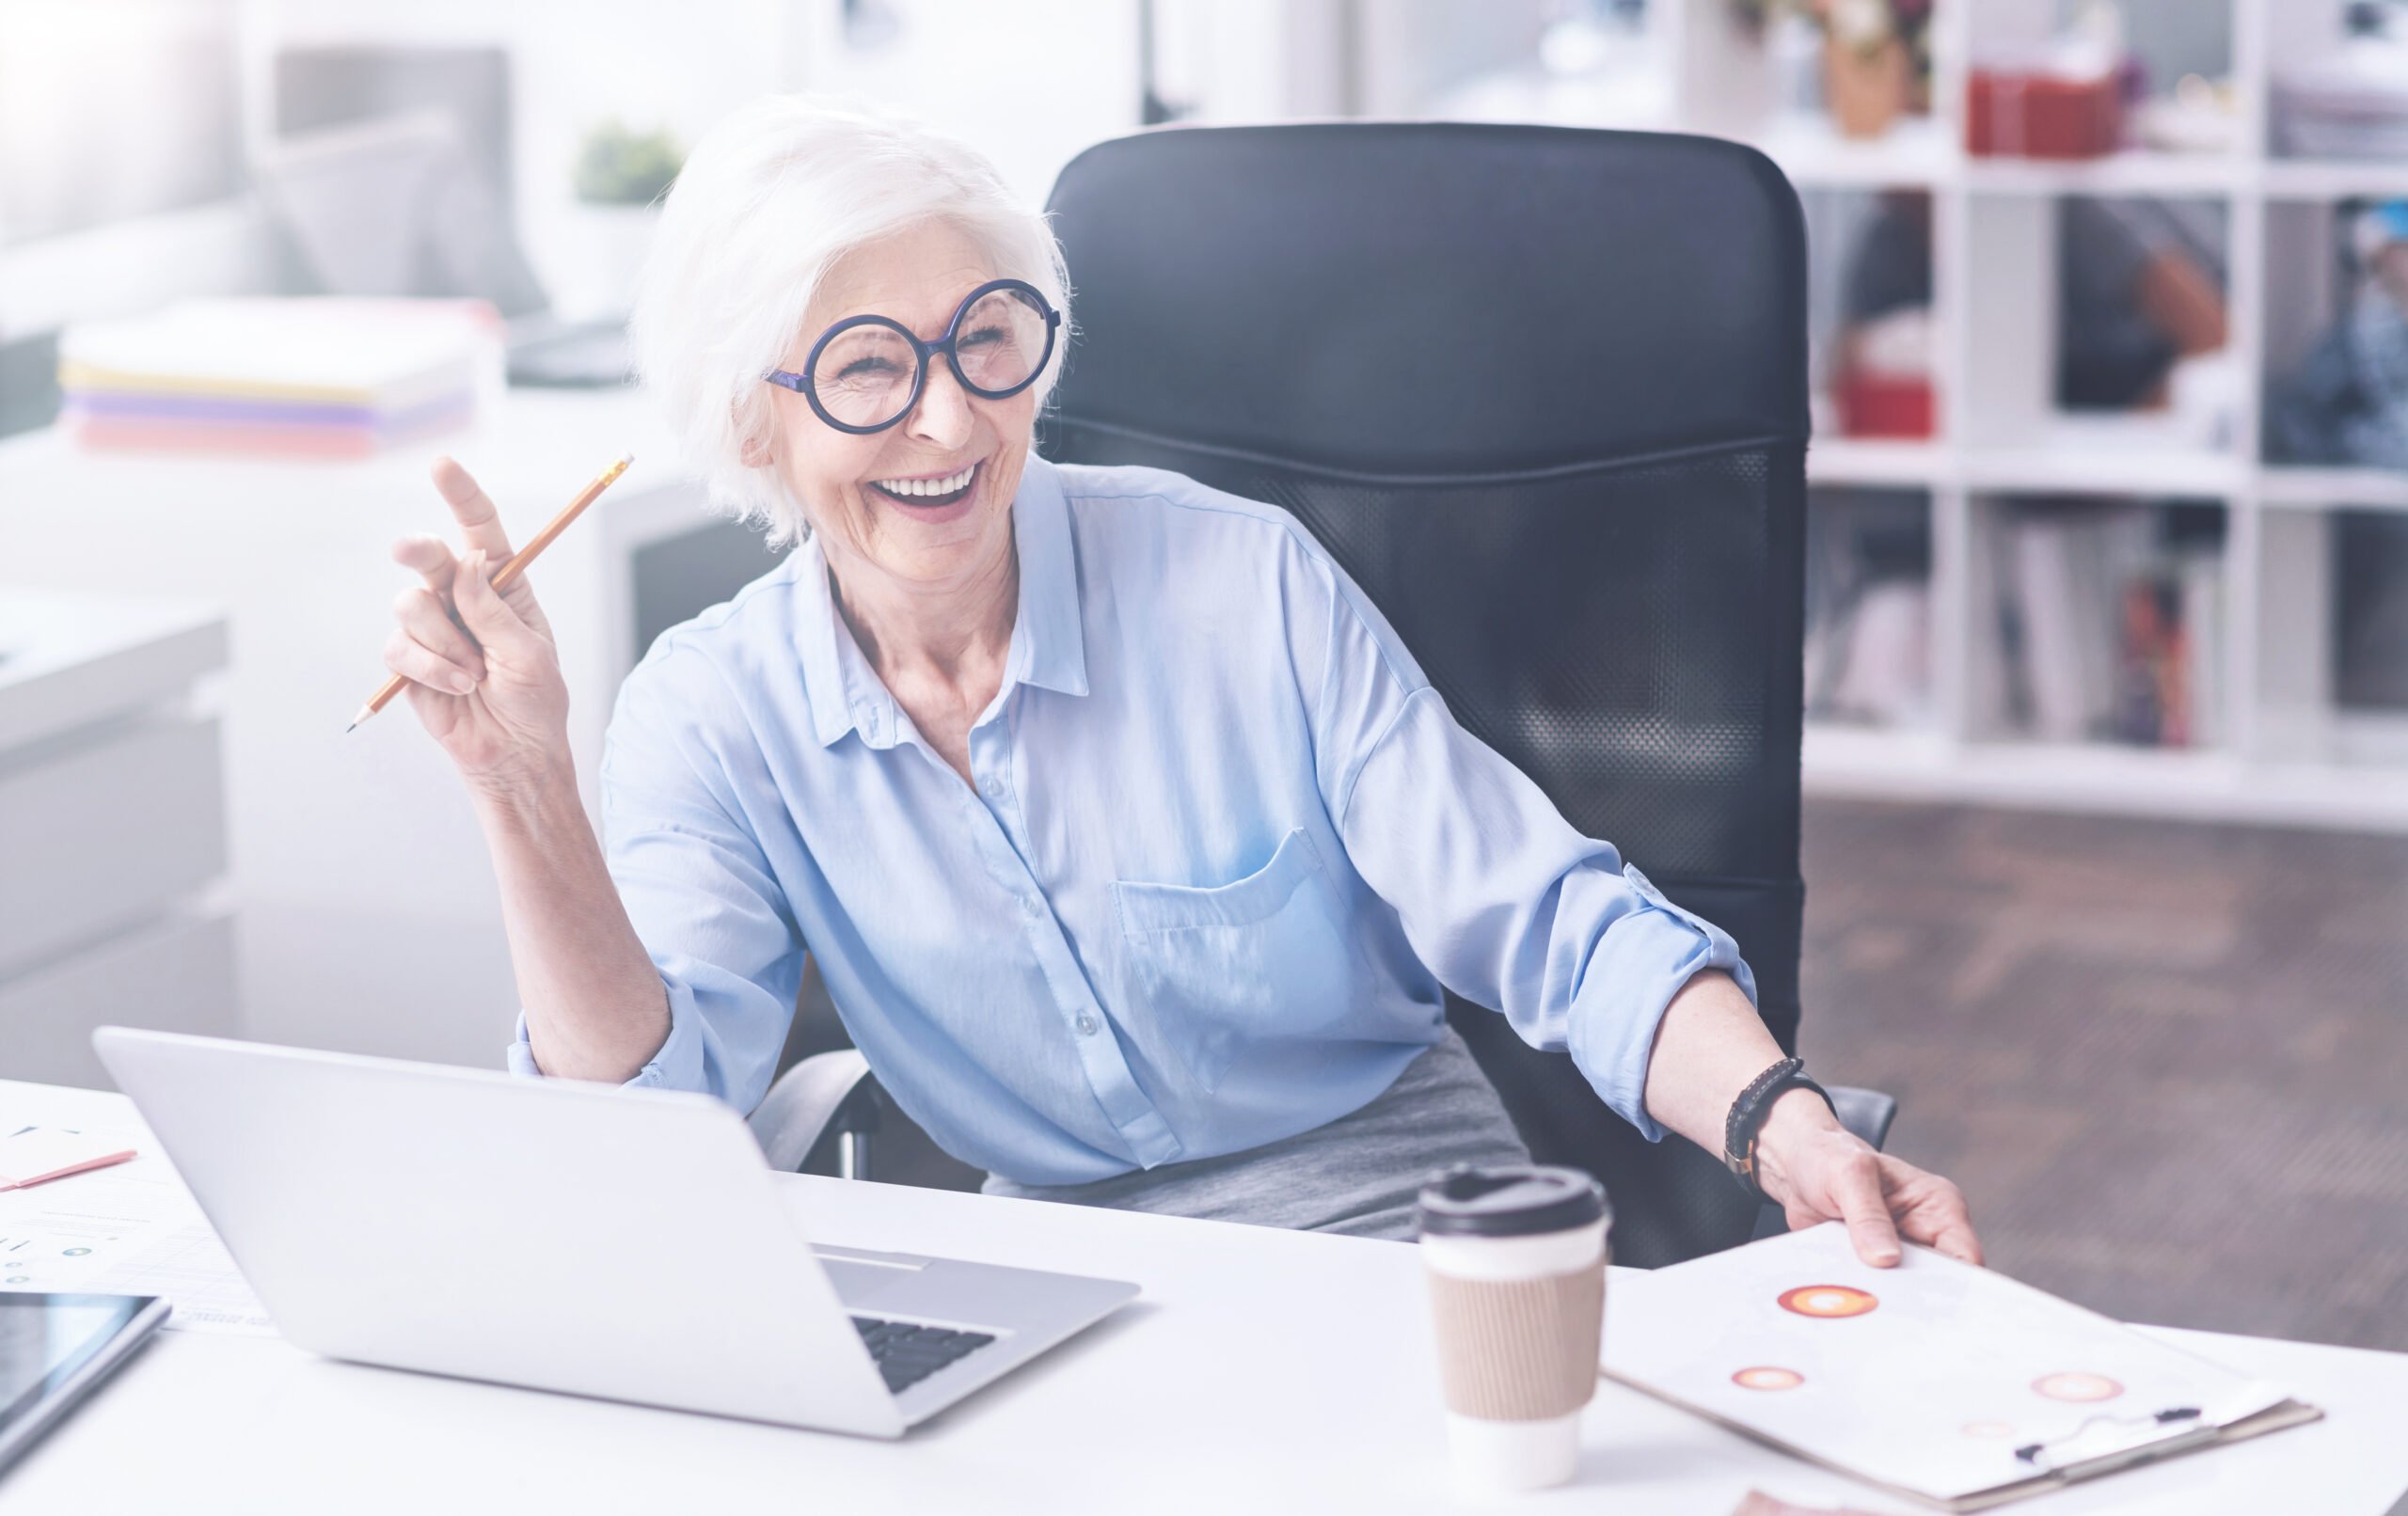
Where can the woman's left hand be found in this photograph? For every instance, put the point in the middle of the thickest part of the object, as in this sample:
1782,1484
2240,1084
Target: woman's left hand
1819,1171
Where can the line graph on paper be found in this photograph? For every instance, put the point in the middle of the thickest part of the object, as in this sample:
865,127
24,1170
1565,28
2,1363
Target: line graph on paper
62,1252
183,1261
192,1268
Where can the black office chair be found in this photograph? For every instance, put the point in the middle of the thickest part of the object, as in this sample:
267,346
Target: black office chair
1543,393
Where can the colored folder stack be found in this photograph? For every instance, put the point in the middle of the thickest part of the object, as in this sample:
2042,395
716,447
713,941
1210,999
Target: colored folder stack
312,377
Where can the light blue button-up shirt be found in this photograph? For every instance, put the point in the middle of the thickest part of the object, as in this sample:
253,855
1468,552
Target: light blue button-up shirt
1224,846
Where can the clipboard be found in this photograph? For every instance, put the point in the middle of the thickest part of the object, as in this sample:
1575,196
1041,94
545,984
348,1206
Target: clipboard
1935,1381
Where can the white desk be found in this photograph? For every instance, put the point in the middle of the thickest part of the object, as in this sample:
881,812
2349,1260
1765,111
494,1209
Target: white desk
1261,1370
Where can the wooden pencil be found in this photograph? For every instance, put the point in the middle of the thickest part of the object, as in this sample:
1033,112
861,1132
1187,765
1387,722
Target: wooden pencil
517,565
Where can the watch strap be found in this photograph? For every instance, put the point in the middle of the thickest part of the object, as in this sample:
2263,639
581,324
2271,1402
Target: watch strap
1748,1112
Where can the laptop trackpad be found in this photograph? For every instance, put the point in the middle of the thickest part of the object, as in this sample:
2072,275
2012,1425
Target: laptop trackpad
860,1278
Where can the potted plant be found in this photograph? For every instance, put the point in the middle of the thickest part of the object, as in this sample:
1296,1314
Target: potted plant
619,178
617,166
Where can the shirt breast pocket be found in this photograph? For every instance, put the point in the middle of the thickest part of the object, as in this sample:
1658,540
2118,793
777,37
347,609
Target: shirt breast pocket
1262,959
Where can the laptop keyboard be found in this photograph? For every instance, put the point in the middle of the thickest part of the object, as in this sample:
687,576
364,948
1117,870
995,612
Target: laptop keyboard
907,1352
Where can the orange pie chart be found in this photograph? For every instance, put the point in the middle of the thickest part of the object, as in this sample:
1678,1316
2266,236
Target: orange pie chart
1830,1302
2077,1386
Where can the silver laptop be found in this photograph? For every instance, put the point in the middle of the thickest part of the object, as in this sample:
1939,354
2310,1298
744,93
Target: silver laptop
628,1244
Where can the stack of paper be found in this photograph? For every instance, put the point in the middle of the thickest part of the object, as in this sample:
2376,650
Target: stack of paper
316,377
1935,1380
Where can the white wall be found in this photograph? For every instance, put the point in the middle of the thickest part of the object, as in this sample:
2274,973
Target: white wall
1030,83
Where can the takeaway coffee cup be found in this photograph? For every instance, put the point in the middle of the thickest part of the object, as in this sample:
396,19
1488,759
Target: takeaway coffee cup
1516,1261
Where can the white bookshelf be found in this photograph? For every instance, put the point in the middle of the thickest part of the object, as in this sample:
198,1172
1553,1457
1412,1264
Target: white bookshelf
2281,752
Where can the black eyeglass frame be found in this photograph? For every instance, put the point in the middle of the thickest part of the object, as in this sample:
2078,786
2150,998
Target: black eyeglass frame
801,383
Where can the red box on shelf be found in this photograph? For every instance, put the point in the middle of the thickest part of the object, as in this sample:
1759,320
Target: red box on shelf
1884,405
2010,113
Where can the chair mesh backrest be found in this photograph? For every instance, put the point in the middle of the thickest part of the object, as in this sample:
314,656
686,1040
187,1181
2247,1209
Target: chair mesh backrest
1541,393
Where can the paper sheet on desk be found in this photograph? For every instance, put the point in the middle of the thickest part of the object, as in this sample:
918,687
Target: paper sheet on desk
43,1155
129,1229
1930,1379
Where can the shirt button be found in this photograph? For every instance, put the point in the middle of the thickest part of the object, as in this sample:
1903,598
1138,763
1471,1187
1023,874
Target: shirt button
1029,907
1086,1023
994,786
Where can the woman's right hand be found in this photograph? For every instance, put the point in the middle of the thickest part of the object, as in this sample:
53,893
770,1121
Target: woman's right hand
483,675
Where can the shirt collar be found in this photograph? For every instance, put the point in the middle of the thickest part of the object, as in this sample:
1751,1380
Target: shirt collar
1049,639
1049,644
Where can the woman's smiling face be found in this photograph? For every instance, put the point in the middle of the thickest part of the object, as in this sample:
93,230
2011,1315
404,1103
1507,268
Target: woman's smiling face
857,491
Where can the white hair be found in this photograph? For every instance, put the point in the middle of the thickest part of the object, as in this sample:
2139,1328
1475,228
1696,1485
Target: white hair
766,204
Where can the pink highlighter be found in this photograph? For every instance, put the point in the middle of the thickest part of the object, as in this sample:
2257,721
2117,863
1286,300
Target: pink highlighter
36,1155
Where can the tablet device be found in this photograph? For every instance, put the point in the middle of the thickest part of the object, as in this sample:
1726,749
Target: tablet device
54,1347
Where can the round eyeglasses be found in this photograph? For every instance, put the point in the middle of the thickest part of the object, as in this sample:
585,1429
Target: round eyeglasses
866,373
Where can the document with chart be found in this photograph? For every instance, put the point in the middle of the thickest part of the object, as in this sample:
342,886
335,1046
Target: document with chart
129,1229
1936,1380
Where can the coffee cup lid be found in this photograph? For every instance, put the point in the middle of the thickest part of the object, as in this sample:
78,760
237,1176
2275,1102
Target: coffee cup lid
1509,1200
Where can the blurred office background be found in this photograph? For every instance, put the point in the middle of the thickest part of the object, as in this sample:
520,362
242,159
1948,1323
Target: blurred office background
2107,833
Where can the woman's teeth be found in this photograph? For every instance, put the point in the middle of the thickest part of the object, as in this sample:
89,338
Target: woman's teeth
934,491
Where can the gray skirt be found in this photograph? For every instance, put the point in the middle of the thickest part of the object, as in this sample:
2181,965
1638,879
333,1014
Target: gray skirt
1357,1176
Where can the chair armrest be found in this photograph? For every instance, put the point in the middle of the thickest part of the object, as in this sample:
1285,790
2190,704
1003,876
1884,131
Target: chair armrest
827,1091
1865,1112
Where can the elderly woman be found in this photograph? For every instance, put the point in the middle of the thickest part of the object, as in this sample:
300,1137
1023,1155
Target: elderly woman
1132,846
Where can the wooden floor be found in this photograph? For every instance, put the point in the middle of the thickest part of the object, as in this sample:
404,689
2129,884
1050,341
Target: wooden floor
2167,1062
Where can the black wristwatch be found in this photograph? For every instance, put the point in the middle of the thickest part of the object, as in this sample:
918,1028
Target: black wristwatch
1748,1114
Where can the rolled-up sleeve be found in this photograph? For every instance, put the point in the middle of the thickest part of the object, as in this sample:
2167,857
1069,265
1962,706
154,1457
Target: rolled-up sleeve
1506,903
697,886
